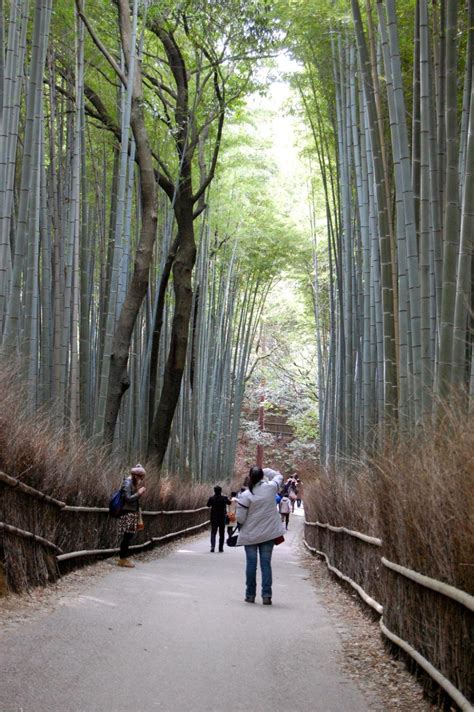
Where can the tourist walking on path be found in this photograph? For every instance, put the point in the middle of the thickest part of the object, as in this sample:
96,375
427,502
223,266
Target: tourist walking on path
218,504
299,491
292,491
285,509
130,516
260,525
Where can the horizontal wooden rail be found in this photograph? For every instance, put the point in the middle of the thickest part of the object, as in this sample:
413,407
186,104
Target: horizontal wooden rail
175,511
105,510
365,596
182,531
445,589
455,694
115,550
358,535
71,508
28,535
26,489
97,552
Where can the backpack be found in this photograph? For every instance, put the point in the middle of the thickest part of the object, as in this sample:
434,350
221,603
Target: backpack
116,503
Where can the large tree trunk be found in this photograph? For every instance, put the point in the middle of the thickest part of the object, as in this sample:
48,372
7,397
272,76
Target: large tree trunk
119,380
157,327
118,376
174,369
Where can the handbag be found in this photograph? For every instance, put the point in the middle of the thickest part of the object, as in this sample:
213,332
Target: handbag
232,539
279,540
140,524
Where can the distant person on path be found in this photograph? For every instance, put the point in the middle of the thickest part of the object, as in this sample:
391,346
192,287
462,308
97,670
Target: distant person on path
292,491
218,504
130,516
299,492
285,509
232,514
260,525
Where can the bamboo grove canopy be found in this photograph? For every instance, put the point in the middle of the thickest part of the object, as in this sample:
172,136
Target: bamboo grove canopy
132,313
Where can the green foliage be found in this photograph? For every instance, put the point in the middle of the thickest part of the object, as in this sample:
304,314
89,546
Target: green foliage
244,205
305,422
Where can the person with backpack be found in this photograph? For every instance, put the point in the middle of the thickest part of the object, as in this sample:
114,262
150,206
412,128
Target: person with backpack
132,489
292,491
260,529
218,504
285,509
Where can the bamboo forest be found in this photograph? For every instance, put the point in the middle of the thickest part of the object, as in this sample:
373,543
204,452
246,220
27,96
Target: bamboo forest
239,234
141,236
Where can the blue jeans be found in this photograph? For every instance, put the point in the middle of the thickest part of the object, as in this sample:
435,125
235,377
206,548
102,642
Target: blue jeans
265,550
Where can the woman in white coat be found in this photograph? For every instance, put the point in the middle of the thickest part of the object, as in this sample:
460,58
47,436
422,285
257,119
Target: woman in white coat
260,525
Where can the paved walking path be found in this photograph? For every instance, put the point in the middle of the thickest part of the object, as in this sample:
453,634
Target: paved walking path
175,635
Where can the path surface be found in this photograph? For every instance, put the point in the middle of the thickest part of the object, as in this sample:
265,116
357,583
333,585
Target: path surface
175,635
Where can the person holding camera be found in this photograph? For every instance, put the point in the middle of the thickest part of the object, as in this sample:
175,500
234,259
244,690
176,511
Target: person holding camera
260,526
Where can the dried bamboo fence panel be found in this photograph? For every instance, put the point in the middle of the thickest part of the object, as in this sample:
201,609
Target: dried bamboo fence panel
39,535
27,560
356,556
431,621
439,628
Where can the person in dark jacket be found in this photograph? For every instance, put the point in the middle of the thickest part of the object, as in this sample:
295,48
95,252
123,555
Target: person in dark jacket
132,489
218,504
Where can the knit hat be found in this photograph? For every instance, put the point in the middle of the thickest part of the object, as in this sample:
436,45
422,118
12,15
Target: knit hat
138,470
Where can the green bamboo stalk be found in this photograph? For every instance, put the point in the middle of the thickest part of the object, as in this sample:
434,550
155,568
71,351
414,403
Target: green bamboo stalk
451,208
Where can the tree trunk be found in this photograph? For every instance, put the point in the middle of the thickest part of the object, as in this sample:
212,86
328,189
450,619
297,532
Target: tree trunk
118,381
174,369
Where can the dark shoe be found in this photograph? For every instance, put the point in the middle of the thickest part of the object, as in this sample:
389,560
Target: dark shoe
212,551
249,599
221,551
267,601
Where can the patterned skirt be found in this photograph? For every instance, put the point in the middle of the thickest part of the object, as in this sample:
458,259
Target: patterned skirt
128,523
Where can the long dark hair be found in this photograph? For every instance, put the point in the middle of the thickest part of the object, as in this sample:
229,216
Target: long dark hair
255,475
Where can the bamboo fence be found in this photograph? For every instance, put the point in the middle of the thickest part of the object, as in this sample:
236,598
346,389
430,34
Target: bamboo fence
42,537
430,621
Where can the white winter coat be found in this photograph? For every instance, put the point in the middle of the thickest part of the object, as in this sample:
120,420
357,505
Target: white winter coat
257,513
